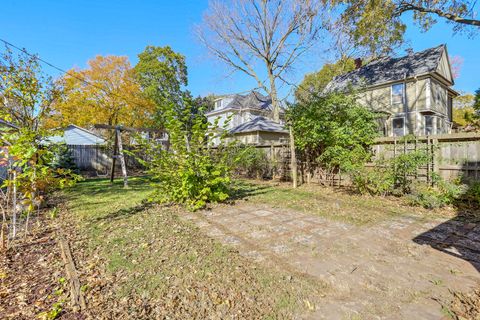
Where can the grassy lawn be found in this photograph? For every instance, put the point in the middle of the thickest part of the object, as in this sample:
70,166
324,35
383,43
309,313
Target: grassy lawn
336,204
151,264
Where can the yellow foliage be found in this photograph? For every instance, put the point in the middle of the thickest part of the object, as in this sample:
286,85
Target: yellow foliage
461,116
111,96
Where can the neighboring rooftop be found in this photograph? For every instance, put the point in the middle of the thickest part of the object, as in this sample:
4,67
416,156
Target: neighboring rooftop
389,69
75,135
259,124
252,100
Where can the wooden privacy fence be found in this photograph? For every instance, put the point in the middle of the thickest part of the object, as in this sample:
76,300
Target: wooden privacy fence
450,156
98,158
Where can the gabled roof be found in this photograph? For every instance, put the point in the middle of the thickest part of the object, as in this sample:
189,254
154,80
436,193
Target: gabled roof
252,100
75,135
259,124
389,69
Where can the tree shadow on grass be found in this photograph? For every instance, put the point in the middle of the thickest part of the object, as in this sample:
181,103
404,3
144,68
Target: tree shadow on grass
244,189
126,212
95,187
459,236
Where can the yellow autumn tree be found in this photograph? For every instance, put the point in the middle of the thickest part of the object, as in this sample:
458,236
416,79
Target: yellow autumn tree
106,92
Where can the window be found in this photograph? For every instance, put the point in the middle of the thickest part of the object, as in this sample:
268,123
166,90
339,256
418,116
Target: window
429,129
439,95
398,125
218,104
398,91
449,107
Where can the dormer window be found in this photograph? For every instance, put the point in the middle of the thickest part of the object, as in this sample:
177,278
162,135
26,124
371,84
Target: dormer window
218,104
398,93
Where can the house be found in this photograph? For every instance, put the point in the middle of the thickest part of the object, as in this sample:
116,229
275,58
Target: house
248,118
75,135
261,131
413,93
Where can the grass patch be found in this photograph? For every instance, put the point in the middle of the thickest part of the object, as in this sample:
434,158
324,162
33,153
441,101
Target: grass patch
159,266
329,202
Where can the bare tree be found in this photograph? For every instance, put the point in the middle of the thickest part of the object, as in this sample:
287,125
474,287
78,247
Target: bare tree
262,38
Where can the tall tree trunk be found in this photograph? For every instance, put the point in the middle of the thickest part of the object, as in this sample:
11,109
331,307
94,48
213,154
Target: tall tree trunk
274,96
276,117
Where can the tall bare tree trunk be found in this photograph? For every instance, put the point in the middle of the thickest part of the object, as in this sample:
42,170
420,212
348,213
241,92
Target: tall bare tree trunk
276,117
274,96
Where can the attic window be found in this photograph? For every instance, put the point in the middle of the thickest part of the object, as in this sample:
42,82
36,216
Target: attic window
218,104
398,91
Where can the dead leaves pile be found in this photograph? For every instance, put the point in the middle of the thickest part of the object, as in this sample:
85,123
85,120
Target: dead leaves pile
152,265
31,277
465,306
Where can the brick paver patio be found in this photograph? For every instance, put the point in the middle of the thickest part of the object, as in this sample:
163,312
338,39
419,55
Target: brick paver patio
397,269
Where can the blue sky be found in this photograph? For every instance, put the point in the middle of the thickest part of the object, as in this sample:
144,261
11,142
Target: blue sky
68,33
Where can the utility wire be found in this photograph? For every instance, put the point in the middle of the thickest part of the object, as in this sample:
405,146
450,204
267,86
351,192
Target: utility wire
78,77
66,72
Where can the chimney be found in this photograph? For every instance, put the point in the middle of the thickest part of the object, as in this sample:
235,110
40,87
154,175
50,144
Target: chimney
358,63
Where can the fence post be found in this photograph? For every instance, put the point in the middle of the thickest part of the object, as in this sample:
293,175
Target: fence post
429,162
435,164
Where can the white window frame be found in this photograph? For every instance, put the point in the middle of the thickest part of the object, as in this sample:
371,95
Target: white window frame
404,126
425,124
403,94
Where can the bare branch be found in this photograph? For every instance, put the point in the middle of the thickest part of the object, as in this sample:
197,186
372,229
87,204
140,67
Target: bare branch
261,37
408,6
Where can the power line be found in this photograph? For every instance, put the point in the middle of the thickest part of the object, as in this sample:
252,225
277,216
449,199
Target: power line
66,72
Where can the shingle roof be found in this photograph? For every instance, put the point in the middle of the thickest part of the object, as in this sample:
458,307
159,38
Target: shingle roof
75,135
388,70
252,100
259,124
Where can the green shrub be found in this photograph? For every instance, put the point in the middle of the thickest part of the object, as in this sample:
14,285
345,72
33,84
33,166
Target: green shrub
194,180
191,172
376,181
334,129
472,194
443,193
251,162
405,166
63,159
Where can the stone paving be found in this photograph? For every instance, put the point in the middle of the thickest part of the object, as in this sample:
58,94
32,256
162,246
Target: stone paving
402,268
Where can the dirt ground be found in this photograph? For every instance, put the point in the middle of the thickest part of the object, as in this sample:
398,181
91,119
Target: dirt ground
401,268
32,278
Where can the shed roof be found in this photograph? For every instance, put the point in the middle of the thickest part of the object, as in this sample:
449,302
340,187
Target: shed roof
389,69
259,124
75,135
